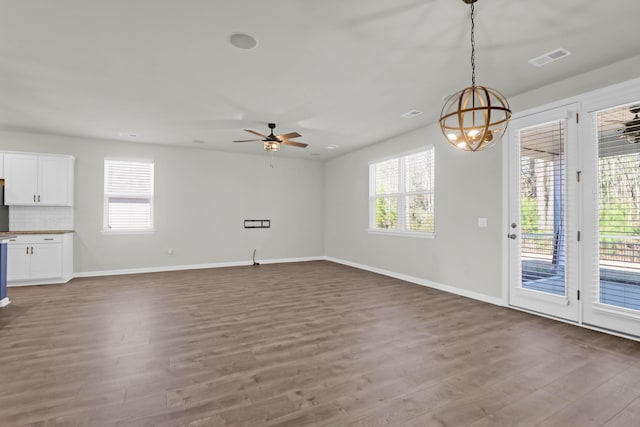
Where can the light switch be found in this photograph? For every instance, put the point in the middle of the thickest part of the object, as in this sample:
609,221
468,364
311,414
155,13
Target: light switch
482,222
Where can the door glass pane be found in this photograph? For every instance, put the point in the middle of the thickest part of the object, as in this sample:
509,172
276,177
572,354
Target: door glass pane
618,132
542,207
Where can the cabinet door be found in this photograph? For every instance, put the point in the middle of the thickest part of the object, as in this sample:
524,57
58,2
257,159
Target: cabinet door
1,165
46,261
21,179
18,262
54,181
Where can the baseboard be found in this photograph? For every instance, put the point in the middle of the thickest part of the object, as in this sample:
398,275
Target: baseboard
20,283
161,269
4,302
422,282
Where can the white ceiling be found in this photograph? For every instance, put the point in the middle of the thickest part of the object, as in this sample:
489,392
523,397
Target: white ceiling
337,71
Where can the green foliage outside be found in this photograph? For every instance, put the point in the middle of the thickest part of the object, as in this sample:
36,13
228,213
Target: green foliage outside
387,213
420,213
529,211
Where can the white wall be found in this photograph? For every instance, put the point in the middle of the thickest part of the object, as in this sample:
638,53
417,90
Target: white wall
201,200
203,196
468,186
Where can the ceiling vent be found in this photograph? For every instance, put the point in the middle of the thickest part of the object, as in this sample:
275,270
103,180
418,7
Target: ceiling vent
411,114
549,57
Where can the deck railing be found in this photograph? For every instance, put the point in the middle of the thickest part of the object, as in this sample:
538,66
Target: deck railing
612,247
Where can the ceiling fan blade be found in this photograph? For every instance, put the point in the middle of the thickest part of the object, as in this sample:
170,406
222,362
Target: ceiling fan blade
289,135
248,140
256,133
293,143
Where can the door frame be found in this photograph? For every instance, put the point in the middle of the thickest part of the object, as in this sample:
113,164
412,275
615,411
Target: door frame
565,307
594,314
587,102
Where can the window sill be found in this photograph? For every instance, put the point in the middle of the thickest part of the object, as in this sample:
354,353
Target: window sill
145,231
416,234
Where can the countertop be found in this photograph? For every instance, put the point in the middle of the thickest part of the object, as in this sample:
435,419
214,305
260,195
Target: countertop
14,233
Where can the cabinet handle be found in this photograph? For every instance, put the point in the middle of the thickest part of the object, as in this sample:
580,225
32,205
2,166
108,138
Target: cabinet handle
38,197
34,197
50,238
31,250
27,250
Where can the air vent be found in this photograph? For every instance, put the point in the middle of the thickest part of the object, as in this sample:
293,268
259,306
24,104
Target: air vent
411,114
549,57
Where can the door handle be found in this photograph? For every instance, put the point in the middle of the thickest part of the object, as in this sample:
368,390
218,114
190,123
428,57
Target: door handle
512,236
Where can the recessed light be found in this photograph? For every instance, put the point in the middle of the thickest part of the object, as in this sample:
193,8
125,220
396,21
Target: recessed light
411,114
198,141
242,41
332,147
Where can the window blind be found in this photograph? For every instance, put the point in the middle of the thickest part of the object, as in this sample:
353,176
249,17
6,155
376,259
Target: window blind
542,207
387,189
402,193
128,195
618,272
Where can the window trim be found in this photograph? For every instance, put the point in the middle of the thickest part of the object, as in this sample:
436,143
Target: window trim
106,196
401,232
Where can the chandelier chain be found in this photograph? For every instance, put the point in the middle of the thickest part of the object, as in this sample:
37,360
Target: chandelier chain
473,47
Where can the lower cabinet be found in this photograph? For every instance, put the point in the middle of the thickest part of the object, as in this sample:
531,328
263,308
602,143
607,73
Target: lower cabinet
40,259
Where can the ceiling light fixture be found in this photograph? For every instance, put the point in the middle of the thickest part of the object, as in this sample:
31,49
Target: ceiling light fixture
476,117
271,145
242,41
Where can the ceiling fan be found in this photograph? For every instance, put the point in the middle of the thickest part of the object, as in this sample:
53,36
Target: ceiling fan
631,131
272,142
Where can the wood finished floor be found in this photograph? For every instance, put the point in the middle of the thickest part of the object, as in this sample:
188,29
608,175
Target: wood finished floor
304,344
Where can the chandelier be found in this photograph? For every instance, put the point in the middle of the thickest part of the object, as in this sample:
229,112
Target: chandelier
476,117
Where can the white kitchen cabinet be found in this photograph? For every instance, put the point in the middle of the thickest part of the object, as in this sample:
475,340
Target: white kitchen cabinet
18,262
46,261
38,180
39,259
1,165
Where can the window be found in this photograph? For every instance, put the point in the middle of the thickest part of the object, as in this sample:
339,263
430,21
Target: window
401,194
128,195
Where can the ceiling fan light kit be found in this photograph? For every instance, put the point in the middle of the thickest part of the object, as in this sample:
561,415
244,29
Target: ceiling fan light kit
271,146
476,117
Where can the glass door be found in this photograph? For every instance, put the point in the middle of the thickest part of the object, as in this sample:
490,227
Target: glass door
542,216
613,300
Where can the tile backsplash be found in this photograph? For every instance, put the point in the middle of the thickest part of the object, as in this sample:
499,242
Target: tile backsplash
36,218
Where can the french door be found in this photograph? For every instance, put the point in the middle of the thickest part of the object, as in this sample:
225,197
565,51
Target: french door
612,213
574,211
542,216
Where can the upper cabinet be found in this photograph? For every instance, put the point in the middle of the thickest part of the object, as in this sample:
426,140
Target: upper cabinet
38,180
1,165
